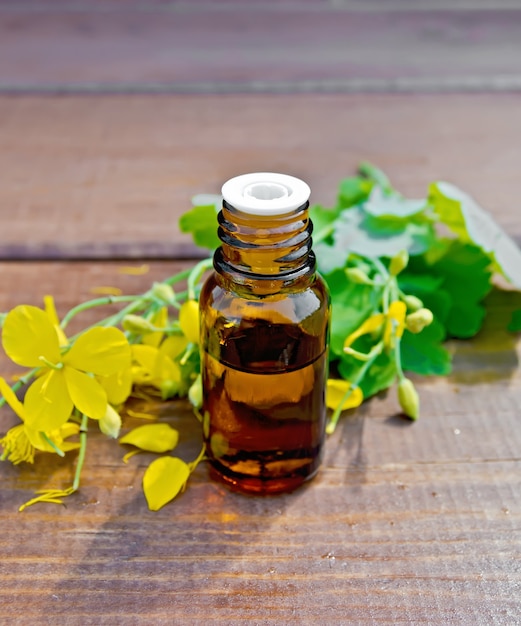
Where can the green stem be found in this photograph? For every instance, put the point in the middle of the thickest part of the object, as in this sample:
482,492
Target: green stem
94,303
21,382
330,429
53,445
83,450
195,276
195,463
136,302
398,358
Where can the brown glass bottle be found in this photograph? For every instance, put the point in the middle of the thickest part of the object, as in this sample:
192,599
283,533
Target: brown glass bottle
264,334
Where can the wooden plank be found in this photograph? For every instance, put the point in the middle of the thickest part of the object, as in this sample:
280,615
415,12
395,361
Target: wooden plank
406,523
110,176
290,46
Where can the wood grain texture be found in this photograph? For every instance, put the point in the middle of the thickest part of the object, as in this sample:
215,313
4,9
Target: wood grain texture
108,177
242,46
405,524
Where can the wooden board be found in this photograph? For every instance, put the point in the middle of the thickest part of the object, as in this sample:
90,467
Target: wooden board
405,524
109,176
113,113
209,47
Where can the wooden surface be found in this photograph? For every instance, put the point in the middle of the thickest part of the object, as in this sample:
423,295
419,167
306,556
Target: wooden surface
406,523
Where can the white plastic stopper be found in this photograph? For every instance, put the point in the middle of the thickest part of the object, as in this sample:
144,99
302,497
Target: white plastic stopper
265,193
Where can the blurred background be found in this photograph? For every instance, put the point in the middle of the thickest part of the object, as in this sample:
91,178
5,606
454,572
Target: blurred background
114,113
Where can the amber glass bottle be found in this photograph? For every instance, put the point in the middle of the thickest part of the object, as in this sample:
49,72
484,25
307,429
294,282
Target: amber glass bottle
264,334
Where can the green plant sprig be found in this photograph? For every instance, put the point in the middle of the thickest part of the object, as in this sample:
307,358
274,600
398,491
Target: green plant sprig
398,287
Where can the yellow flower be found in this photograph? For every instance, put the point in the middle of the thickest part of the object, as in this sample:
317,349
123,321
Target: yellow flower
371,324
30,339
20,441
395,322
336,391
154,366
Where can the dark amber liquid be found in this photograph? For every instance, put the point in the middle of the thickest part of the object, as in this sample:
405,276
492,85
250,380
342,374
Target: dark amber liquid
264,404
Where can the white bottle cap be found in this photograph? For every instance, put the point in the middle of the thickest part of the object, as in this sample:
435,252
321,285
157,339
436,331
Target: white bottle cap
265,193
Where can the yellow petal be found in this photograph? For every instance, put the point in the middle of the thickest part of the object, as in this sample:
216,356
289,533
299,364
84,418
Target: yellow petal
140,376
102,351
164,478
28,334
145,356
118,386
47,402
174,345
371,324
86,393
69,429
135,271
395,321
189,320
166,369
50,309
152,437
336,390
11,399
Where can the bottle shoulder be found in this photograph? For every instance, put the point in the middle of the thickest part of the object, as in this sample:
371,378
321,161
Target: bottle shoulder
291,305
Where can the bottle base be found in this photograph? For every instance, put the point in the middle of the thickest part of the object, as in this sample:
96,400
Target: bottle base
261,486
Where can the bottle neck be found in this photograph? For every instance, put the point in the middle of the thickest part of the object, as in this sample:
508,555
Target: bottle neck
265,252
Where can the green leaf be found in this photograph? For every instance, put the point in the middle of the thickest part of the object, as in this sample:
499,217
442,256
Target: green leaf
424,353
465,272
164,478
472,224
515,322
321,218
201,222
353,191
392,207
375,175
357,232
380,375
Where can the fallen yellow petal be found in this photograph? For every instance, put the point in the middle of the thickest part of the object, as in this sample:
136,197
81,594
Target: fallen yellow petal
106,291
135,270
164,478
152,437
335,392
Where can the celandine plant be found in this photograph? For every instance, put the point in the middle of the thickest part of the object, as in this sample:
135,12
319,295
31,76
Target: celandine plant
399,289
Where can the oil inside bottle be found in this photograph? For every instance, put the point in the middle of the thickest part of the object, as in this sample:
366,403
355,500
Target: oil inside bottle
264,385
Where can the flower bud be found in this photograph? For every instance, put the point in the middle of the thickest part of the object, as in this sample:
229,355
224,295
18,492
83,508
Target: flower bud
195,393
163,292
399,262
137,324
358,276
408,398
417,321
413,303
110,423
